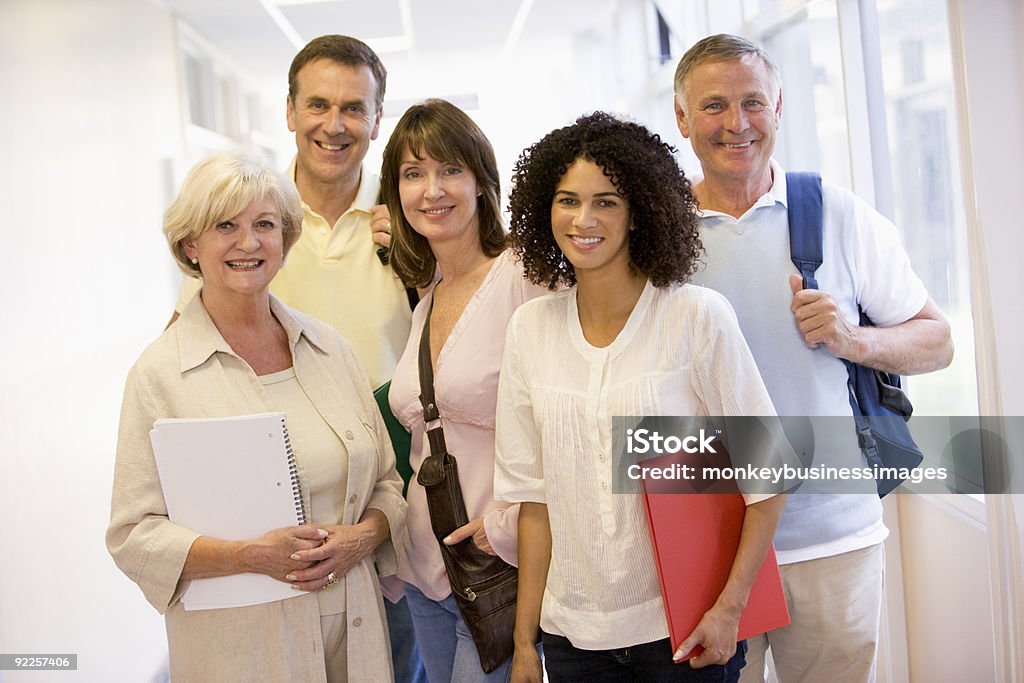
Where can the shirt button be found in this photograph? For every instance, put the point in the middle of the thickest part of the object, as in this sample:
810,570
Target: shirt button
600,457
349,435
604,485
352,500
357,622
323,231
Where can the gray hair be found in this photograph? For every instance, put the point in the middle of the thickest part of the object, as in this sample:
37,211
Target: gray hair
720,48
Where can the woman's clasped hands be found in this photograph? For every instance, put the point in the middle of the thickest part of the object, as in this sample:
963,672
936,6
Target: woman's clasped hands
309,556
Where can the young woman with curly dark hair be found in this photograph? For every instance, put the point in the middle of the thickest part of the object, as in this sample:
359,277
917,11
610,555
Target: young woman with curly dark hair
663,240
602,206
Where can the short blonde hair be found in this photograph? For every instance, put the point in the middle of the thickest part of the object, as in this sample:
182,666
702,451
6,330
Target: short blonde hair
220,187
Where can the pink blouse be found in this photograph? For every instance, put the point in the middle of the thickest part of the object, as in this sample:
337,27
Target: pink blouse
466,386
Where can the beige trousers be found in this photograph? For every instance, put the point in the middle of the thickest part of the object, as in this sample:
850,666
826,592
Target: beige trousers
834,607
334,632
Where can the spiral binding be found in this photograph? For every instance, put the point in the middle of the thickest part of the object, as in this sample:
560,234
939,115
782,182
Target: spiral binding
293,474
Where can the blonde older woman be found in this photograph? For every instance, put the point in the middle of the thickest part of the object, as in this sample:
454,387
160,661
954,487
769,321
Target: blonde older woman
238,350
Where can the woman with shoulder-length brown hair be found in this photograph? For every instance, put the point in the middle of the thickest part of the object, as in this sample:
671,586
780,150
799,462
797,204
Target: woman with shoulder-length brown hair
237,350
440,182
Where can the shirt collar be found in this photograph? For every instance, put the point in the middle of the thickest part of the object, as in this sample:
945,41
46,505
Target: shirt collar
775,194
778,188
366,195
199,339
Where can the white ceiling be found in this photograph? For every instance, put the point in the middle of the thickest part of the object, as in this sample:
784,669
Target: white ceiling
260,37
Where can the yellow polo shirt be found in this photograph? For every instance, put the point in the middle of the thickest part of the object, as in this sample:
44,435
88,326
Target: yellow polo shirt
334,274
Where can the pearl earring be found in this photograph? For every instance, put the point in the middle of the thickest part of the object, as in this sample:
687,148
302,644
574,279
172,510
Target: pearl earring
195,261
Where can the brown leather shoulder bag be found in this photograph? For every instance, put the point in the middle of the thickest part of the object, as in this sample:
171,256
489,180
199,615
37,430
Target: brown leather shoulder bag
484,585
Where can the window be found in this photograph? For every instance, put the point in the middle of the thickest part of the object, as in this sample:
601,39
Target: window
664,43
917,76
814,134
222,107
199,87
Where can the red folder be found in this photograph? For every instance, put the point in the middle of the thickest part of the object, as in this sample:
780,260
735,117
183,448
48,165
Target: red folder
695,537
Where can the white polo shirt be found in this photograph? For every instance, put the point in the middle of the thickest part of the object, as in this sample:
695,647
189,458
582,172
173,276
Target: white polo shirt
748,260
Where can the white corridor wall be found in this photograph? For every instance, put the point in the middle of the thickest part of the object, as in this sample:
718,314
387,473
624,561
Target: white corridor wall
90,115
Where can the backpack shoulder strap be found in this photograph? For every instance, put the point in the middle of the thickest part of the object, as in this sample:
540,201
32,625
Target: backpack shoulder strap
803,195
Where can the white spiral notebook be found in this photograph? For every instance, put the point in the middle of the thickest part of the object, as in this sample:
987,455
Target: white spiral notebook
232,478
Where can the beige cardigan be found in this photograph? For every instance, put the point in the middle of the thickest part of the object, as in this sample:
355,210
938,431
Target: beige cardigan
190,371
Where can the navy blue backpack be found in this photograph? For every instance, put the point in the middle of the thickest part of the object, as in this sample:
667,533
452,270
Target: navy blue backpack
880,407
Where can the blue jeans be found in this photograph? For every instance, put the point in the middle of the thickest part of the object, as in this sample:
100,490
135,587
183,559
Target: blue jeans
405,656
647,662
447,648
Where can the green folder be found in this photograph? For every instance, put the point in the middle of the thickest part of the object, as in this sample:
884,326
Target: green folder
400,439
